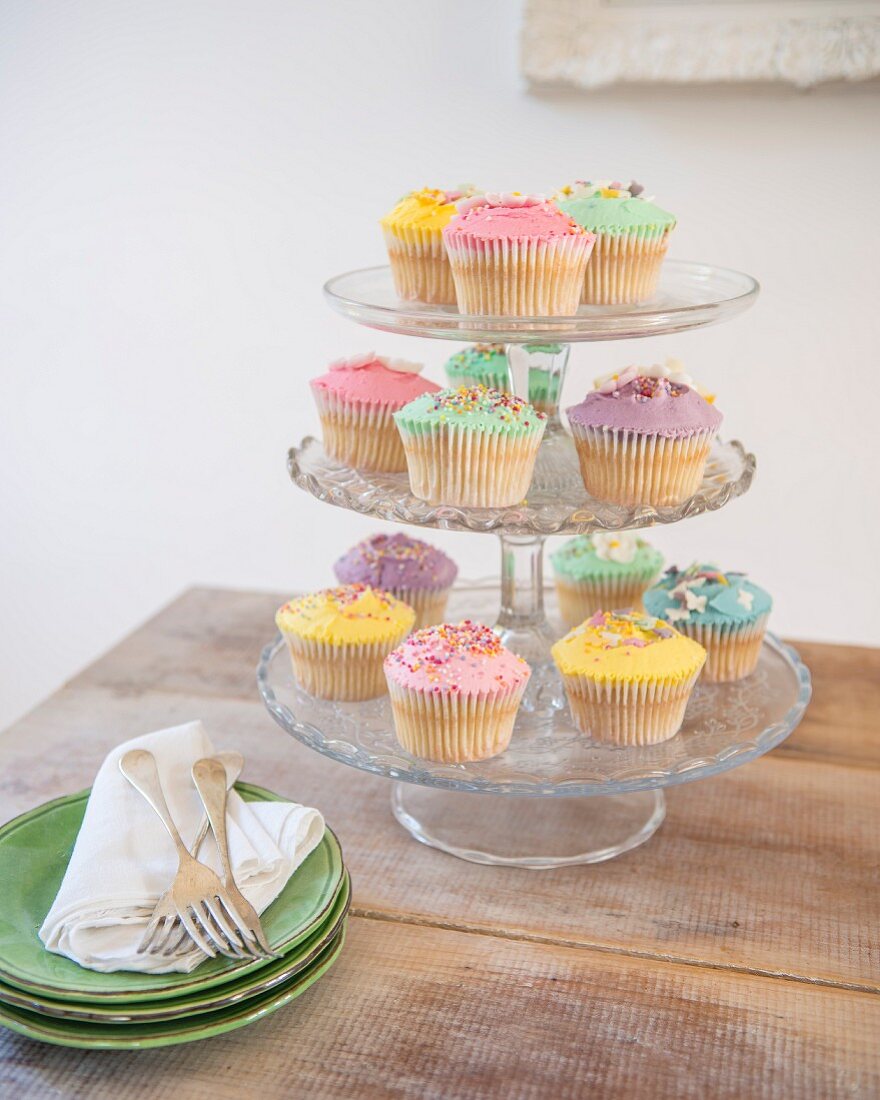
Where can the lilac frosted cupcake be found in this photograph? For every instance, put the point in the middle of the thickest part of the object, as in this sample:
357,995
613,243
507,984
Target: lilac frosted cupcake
643,436
411,570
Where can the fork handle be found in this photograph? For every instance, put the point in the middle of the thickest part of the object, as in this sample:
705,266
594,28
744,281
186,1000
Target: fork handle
209,777
139,768
233,763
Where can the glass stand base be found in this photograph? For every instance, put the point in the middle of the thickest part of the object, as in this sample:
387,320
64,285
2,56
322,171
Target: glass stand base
537,833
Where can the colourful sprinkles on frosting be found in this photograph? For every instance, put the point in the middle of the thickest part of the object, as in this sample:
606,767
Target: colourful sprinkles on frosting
448,653
611,629
486,402
344,600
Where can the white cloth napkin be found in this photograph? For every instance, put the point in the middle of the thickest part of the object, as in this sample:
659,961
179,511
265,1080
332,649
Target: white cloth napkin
124,860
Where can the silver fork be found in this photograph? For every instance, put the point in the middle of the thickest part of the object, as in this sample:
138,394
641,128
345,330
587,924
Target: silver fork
209,778
174,932
201,900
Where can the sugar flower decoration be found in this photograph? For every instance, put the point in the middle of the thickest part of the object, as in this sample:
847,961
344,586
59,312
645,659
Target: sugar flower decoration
618,546
361,362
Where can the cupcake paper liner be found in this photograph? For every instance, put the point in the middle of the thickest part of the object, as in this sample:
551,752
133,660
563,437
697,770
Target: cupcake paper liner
345,672
578,600
454,728
625,267
360,435
635,468
628,712
519,278
470,469
429,604
732,650
420,266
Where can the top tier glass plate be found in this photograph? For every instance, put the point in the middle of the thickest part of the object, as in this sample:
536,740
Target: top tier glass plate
690,295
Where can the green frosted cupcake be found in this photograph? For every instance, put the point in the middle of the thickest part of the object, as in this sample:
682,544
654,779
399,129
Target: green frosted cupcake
479,365
606,571
632,235
473,447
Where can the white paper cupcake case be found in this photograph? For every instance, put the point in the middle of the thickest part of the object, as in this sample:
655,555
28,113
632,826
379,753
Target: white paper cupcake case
470,468
625,267
452,728
627,467
420,266
519,278
345,672
578,600
732,650
628,712
429,604
360,435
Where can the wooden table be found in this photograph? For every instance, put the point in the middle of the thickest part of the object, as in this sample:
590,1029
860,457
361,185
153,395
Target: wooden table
734,955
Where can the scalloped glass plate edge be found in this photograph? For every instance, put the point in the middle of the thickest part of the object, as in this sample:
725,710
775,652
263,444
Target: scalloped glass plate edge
392,501
697,767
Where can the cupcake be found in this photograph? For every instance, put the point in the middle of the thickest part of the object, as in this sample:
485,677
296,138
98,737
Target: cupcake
643,436
339,637
356,399
724,612
412,571
479,365
455,691
628,677
606,569
413,236
516,256
472,447
632,235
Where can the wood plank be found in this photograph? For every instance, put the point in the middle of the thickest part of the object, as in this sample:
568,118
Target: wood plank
435,1015
209,640
771,868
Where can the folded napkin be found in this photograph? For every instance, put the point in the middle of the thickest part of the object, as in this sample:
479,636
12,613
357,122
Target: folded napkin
124,860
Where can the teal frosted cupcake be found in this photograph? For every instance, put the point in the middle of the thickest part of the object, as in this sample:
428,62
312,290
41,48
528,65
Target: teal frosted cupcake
479,365
603,571
632,235
472,447
725,612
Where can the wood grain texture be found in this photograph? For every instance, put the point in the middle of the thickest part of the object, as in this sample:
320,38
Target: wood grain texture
431,1014
734,955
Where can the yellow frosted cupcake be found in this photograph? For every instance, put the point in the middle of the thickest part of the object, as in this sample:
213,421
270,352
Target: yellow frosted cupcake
414,239
628,677
339,637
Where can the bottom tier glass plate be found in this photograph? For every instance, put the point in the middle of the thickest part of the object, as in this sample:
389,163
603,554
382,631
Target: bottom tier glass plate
725,725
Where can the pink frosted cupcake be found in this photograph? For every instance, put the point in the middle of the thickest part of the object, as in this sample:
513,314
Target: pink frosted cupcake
455,691
356,401
516,256
643,436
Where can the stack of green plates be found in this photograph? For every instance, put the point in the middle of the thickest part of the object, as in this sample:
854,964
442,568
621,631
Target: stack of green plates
48,997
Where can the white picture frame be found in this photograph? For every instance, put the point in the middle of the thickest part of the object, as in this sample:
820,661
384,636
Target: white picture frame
592,43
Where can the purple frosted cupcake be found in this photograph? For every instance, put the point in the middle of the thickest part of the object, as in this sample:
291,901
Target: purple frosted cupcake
412,571
643,436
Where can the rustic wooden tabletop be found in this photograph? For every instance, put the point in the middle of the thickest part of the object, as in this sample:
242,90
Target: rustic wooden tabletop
734,955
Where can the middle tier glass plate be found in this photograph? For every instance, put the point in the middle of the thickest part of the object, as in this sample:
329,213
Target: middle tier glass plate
557,503
725,725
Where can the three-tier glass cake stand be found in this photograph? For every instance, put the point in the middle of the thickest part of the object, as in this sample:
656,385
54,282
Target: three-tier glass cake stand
554,797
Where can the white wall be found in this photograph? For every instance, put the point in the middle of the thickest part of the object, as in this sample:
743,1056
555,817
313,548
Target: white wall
178,178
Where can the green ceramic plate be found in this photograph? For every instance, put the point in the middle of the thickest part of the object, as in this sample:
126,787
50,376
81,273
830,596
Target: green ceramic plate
139,1036
41,842
275,973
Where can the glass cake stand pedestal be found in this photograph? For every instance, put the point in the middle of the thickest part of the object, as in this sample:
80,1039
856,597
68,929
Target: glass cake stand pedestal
554,797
